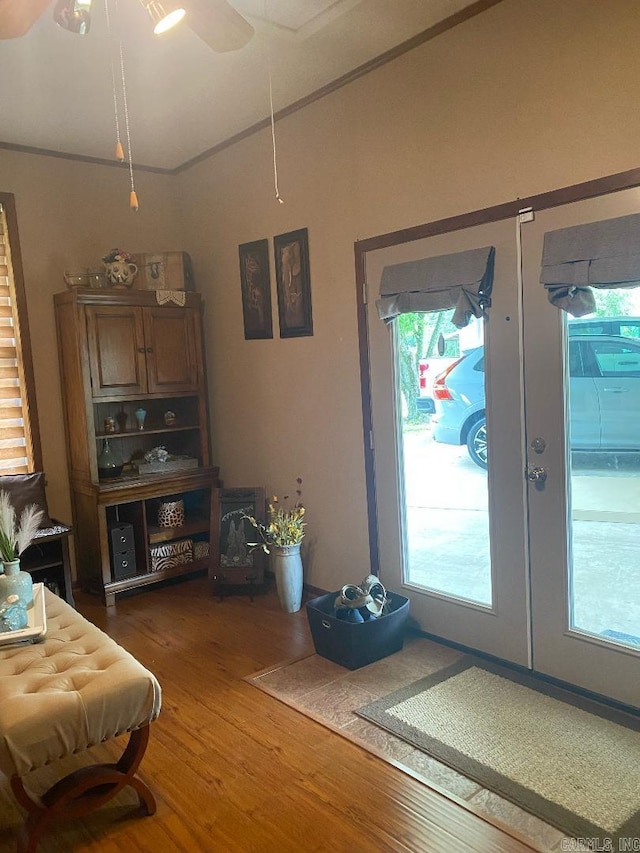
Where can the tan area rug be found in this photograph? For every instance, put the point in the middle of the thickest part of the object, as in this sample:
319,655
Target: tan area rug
572,762
331,695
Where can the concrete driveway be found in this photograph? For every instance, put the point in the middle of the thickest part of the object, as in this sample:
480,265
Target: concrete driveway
448,530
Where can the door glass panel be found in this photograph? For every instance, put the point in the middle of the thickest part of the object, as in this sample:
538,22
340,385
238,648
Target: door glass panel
445,533
434,533
604,413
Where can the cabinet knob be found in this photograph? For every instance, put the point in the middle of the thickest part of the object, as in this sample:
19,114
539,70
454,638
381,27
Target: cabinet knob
125,563
141,349
123,539
149,349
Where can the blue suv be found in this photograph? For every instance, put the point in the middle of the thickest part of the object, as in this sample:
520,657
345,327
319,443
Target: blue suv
604,376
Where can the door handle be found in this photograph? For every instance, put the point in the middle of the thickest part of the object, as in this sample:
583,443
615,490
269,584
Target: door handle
536,475
617,390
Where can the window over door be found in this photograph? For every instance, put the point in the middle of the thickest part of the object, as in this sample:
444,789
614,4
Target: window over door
19,437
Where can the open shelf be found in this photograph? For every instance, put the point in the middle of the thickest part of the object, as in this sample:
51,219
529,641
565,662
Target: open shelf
166,534
139,433
155,577
47,560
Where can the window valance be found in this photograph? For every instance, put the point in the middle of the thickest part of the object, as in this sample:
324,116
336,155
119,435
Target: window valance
462,280
602,254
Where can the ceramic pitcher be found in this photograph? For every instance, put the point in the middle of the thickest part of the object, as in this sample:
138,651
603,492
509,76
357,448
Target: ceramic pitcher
120,273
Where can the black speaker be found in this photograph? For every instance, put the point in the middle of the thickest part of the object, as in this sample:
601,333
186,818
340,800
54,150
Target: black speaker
122,551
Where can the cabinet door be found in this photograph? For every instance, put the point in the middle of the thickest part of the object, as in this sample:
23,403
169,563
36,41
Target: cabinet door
170,335
116,350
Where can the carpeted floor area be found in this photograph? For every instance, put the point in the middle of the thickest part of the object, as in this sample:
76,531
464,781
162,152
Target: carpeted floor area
332,695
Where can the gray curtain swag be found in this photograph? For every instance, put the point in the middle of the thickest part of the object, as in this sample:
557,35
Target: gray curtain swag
462,281
602,254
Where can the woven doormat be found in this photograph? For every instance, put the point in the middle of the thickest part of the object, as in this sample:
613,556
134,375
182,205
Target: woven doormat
570,761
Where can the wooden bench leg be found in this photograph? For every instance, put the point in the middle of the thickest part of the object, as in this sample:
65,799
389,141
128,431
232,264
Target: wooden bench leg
82,791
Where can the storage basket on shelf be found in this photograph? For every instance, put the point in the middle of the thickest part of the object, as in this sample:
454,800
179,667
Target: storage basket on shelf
171,513
171,554
200,549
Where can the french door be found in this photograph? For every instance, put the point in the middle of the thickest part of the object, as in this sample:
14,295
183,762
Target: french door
474,519
532,560
583,391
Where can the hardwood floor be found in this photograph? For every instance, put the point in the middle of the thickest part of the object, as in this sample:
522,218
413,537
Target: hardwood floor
233,769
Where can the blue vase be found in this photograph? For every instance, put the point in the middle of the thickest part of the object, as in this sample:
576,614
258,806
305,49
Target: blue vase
16,582
140,415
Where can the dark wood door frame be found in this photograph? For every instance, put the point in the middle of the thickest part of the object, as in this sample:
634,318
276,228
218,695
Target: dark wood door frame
543,201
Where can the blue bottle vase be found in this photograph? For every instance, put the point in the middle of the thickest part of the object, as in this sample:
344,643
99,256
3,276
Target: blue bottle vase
16,582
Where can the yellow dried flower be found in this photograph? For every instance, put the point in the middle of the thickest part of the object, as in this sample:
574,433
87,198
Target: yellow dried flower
285,526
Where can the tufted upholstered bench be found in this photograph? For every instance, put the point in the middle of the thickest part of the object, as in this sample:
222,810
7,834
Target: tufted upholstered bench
75,689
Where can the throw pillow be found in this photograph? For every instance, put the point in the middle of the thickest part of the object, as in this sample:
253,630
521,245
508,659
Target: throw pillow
25,489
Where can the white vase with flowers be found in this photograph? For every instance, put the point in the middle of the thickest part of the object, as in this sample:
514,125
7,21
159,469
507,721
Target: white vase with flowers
281,537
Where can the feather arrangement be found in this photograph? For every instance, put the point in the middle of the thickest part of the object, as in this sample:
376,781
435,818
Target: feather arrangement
16,536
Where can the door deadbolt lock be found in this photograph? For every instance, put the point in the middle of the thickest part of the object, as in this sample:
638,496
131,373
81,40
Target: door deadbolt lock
536,475
538,445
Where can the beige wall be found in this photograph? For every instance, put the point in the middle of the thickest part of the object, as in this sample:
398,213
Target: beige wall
69,215
529,96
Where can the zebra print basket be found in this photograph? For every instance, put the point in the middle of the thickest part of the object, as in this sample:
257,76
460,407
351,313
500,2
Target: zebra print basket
171,554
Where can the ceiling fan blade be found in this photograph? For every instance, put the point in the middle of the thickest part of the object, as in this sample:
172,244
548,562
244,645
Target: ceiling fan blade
18,16
218,24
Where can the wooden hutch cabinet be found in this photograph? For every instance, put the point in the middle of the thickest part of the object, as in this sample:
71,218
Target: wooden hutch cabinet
121,352
142,349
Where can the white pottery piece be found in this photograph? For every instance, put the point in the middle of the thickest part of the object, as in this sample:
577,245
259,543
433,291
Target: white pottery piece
120,273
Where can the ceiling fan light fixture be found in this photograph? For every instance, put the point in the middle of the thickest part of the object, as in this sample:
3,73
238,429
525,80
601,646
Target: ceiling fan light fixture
73,15
164,15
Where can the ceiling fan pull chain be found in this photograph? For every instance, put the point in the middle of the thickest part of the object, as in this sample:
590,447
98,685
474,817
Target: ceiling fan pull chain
273,140
273,121
133,198
119,150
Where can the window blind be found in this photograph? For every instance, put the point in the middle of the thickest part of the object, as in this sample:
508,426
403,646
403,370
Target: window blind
16,452
462,280
601,254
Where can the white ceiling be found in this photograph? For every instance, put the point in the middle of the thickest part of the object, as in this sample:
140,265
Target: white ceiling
183,98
